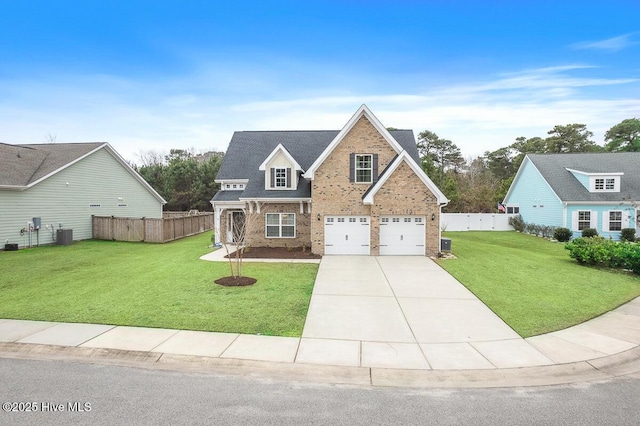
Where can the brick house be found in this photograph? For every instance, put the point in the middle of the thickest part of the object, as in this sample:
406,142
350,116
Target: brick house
359,190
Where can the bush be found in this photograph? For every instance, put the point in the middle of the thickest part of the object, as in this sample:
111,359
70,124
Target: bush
517,223
562,234
628,234
589,233
598,251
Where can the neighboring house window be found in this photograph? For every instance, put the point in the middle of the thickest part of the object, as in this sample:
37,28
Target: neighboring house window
615,220
228,186
610,184
599,184
280,225
364,168
584,220
513,210
605,184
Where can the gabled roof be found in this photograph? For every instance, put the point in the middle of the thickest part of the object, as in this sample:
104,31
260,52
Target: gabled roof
363,111
23,166
275,152
248,150
368,197
556,170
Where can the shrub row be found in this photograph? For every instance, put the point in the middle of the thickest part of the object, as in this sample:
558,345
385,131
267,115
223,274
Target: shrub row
601,252
546,231
531,228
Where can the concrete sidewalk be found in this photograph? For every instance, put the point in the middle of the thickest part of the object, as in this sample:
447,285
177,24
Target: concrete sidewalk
421,328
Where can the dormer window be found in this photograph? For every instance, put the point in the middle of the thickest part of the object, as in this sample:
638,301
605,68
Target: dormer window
605,184
609,184
281,177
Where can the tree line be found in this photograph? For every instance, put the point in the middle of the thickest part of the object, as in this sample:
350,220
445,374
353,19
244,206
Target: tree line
186,180
479,184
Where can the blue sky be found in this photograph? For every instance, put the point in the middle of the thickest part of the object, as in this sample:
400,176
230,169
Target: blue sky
155,75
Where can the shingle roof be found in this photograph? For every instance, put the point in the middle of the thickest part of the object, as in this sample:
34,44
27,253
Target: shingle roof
553,168
227,196
247,150
22,165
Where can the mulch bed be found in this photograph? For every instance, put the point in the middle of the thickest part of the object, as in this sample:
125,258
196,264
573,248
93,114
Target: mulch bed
276,253
235,281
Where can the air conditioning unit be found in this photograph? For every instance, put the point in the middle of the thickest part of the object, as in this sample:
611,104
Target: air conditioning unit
64,237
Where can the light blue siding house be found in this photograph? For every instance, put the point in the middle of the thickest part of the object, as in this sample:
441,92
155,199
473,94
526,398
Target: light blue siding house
578,191
64,185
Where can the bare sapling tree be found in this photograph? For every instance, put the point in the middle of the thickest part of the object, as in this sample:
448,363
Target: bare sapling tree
242,225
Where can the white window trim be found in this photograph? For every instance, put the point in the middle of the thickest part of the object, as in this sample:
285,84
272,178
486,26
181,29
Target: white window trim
280,225
356,168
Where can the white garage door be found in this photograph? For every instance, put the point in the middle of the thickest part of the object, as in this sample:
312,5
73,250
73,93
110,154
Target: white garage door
347,234
402,235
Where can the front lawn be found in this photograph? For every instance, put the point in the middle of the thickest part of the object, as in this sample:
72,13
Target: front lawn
152,285
532,283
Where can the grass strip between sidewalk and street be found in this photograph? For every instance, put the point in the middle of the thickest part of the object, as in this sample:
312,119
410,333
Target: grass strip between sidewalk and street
152,285
532,283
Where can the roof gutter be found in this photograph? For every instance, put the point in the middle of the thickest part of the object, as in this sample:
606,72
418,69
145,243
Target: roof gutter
13,187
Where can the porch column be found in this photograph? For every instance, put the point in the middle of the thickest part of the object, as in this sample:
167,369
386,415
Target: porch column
216,224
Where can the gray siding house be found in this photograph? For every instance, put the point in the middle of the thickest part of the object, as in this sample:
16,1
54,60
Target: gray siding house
64,185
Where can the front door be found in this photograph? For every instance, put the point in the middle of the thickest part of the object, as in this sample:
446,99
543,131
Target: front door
235,226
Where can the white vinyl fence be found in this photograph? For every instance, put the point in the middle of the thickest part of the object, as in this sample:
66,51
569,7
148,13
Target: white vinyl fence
475,222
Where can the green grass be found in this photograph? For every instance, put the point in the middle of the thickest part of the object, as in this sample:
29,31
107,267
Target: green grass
152,285
532,283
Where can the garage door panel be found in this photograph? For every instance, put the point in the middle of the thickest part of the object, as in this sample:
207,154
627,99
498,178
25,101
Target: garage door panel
347,235
402,235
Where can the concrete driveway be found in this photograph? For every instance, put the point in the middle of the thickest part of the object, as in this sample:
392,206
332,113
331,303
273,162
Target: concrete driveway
408,310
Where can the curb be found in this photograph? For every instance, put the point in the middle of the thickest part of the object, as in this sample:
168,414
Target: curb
606,368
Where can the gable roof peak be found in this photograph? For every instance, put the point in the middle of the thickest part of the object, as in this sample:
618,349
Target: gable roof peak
365,112
285,152
369,195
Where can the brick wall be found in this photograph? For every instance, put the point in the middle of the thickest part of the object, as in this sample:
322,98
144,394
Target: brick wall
405,194
332,193
256,230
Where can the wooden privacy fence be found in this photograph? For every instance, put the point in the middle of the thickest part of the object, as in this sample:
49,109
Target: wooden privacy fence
150,230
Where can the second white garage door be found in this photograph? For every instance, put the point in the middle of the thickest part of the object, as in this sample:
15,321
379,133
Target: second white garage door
347,235
402,235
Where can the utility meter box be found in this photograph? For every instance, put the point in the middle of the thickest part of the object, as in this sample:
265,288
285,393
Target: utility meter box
36,223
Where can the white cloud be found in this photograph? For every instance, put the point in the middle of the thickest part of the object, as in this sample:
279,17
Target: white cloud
190,113
612,44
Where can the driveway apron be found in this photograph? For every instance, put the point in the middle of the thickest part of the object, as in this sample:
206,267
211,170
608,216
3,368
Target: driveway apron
409,307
